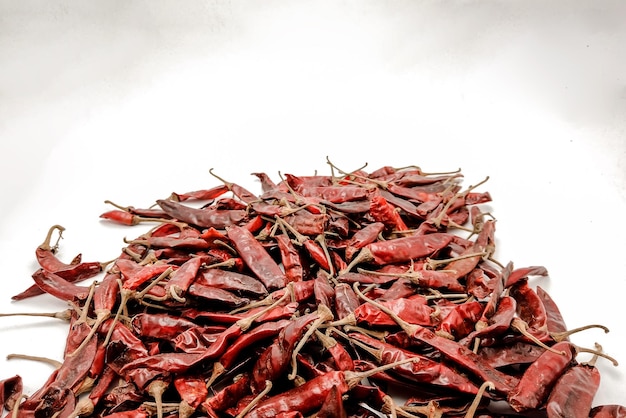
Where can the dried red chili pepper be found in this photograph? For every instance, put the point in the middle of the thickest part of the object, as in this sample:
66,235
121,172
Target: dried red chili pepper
384,212
540,376
573,392
454,351
401,249
257,258
204,218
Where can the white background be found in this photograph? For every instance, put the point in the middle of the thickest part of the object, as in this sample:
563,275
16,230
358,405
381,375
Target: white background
132,100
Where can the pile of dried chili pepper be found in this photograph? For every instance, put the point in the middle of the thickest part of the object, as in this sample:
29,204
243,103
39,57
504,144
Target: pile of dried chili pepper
352,294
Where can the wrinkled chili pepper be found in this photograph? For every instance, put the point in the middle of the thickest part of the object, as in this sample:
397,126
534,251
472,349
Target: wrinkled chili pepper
540,376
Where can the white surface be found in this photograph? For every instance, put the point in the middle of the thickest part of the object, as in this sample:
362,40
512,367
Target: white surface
129,101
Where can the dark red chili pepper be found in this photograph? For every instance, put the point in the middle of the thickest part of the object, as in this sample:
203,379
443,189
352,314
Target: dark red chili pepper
215,294
204,218
573,393
345,300
539,378
257,258
554,319
340,356
523,273
424,370
134,275
530,309
452,350
159,325
203,194
191,389
496,324
276,358
290,258
58,287
231,281
10,392
228,396
182,278
333,406
45,253
518,353
308,223
413,311
400,250
460,321
384,212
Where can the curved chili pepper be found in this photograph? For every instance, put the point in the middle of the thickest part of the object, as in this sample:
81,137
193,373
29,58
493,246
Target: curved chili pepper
275,359
384,212
425,370
539,378
497,324
228,396
554,319
460,321
203,194
345,300
204,218
400,250
182,278
256,258
413,311
58,287
573,393
192,391
290,258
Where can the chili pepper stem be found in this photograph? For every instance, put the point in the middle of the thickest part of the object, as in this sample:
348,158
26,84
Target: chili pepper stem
65,314
153,283
325,315
16,408
597,353
354,378
218,370
437,220
54,363
522,327
560,336
101,316
471,411
252,404
45,245
432,264
246,323
125,295
156,388
363,256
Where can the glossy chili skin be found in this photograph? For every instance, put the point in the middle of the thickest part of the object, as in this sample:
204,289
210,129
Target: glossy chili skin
535,384
275,359
573,393
305,398
407,248
204,218
257,258
428,371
